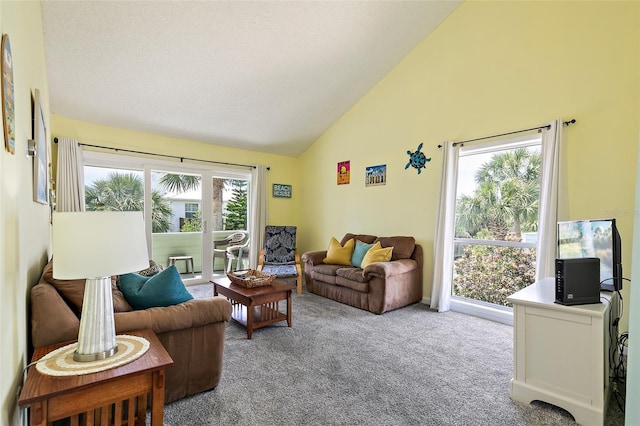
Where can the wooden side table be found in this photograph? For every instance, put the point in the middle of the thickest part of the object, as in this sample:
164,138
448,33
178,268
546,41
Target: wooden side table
100,397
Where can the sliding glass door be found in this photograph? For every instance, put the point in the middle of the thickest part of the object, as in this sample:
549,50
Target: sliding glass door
191,212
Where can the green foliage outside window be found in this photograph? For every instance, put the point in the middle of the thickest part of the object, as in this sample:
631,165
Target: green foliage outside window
492,273
193,224
235,215
125,192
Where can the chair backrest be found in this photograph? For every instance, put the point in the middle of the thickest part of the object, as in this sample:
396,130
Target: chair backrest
236,238
280,245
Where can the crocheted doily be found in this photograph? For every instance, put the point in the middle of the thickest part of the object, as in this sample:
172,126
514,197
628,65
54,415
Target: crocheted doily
61,363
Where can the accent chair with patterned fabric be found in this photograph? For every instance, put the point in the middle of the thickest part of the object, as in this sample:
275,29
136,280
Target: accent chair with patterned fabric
280,256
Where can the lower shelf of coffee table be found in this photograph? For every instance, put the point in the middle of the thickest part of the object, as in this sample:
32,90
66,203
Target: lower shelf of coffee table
262,315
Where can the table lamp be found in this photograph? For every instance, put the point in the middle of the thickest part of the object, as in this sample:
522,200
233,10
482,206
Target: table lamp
95,246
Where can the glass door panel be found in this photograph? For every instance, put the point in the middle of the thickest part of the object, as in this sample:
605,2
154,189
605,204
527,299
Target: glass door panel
176,236
229,223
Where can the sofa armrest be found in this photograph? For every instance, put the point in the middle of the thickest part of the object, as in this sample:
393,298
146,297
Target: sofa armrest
193,313
313,258
389,269
52,320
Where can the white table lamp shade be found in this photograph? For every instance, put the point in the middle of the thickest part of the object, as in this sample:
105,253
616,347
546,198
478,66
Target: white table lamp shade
95,246
98,244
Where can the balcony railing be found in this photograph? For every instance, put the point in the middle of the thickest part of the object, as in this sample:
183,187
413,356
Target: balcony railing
169,244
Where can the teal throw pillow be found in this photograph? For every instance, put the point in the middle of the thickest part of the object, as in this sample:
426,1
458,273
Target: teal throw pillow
163,289
358,253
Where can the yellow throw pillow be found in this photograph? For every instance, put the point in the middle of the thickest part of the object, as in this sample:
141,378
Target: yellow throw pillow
339,255
377,254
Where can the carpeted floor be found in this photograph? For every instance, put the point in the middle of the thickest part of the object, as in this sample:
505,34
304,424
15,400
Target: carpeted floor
340,365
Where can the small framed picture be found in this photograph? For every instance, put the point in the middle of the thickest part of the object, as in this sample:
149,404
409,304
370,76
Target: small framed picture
8,106
281,191
376,175
344,172
40,159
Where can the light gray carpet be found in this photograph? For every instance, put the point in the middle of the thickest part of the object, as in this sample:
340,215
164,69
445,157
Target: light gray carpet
340,365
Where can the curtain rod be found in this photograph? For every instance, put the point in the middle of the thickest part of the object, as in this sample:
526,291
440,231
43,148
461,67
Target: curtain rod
55,140
546,126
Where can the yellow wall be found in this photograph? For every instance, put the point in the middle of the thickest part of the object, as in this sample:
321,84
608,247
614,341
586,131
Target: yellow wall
491,67
24,224
280,211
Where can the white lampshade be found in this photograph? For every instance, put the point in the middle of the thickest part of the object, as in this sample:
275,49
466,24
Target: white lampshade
98,244
95,246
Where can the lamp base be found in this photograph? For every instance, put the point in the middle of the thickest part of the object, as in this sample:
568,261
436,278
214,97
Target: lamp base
97,334
94,357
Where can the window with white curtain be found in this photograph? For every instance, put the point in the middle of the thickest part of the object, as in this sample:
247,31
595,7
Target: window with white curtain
496,222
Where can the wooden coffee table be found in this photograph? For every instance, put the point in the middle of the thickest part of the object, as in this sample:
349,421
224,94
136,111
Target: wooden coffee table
255,307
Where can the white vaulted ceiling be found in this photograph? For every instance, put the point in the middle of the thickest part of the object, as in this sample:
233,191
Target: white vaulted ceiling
269,76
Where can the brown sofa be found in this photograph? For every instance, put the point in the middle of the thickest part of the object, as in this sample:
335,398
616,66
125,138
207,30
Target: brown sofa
379,287
192,332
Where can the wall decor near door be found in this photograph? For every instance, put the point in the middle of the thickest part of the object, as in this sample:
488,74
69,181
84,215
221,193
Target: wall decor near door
8,106
344,172
376,175
281,191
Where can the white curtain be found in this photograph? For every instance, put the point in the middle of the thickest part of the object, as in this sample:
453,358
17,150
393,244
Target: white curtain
258,217
443,243
70,176
548,210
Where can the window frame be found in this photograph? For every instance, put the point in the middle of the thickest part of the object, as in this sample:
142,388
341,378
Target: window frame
503,314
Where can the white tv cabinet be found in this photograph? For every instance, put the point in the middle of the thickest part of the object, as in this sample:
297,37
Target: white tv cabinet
561,353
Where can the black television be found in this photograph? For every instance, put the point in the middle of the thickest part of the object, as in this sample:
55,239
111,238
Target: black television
594,238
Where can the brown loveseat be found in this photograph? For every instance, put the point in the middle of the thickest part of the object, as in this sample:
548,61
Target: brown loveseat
379,287
192,332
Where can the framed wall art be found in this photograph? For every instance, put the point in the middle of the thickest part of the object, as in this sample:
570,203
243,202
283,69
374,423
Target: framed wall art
376,175
281,190
8,106
40,158
344,172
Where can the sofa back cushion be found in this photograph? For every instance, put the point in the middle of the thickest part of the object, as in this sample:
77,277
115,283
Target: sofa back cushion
73,290
368,239
402,246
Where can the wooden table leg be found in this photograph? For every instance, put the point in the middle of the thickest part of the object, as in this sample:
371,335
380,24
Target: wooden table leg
39,414
289,309
250,321
157,398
